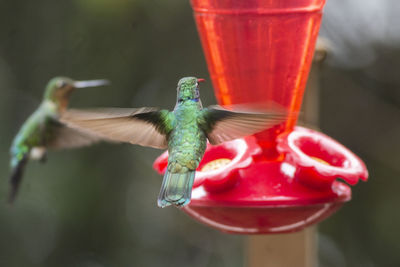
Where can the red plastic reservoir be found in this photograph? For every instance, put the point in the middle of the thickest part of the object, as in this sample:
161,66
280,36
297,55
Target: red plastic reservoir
259,51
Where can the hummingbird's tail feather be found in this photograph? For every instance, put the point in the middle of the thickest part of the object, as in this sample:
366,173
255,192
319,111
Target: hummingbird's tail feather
176,189
16,177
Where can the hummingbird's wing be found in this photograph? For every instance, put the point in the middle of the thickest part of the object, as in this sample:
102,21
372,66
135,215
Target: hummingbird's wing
59,135
142,126
221,125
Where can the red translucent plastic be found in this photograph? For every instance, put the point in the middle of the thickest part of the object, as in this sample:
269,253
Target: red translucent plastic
285,178
259,51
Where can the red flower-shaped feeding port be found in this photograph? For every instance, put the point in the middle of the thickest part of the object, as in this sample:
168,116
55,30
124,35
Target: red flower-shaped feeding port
237,190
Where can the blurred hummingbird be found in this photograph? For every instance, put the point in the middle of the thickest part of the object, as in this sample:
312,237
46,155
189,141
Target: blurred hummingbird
43,130
184,131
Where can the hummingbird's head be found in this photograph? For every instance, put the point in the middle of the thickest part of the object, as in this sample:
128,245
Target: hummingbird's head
188,89
59,89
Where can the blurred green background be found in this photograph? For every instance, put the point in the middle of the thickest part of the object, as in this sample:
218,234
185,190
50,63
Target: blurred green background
97,206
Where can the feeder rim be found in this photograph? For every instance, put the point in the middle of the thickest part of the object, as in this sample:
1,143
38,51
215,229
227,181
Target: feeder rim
265,205
259,11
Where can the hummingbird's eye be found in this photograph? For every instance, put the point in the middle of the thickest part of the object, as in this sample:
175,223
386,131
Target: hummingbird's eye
61,84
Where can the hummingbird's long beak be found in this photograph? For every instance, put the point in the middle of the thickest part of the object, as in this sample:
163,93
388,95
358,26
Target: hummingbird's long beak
91,83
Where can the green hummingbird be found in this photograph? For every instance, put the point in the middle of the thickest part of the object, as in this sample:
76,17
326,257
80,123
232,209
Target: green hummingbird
184,131
43,129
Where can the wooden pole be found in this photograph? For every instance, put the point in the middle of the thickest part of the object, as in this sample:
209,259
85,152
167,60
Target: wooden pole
298,249
283,250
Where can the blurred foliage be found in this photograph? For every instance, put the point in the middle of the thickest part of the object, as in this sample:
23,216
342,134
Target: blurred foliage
97,206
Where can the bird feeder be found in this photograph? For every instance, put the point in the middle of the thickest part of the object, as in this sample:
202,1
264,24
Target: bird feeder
285,178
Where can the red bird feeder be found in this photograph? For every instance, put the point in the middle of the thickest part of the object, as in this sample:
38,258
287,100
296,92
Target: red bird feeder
285,178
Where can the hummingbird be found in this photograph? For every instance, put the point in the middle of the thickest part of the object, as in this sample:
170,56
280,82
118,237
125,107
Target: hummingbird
183,131
43,129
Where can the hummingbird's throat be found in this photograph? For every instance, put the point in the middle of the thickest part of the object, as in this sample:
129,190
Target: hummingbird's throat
196,99
191,94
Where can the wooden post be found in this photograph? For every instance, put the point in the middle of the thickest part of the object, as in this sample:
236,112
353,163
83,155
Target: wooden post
298,249
310,109
283,250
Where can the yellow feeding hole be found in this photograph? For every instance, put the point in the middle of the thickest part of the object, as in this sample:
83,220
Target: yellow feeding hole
321,161
215,164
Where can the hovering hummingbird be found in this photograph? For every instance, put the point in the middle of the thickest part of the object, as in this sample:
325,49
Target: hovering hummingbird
184,131
43,130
